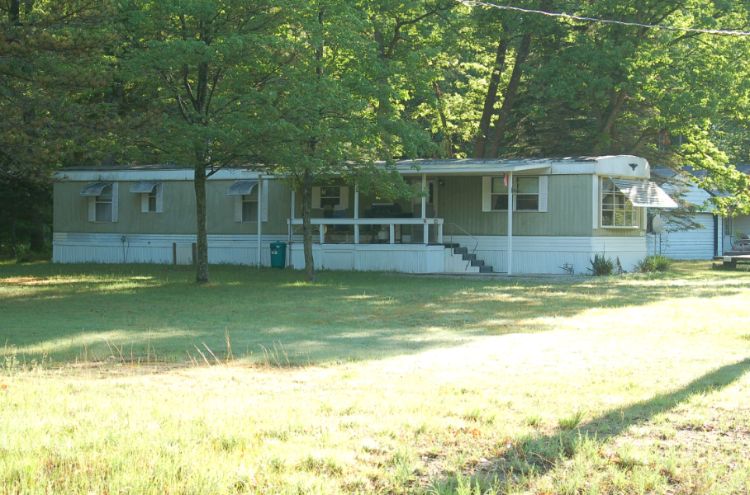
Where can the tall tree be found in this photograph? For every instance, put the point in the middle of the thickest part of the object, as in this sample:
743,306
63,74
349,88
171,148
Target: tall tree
334,107
204,66
529,85
53,73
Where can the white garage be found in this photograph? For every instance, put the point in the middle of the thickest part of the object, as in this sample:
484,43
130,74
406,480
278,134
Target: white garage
694,244
696,236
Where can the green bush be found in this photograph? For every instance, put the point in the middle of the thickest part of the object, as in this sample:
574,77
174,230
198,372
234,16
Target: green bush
656,263
601,265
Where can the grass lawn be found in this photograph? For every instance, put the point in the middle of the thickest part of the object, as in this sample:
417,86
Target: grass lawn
131,379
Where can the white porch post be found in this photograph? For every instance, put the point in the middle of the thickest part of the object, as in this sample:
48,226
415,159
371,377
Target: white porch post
356,213
260,215
510,223
440,233
426,228
391,234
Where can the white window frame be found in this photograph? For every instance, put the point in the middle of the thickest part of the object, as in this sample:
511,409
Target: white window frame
343,197
541,194
113,201
158,200
635,214
250,199
100,200
327,196
239,199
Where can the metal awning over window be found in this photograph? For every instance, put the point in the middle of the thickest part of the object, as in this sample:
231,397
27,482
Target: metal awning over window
94,188
242,188
644,193
143,187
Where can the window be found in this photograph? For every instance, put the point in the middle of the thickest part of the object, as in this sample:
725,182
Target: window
152,200
499,194
103,205
102,201
250,206
525,194
617,210
150,194
330,197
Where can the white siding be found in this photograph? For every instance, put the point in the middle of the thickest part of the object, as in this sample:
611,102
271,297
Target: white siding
531,254
156,248
547,254
406,258
693,244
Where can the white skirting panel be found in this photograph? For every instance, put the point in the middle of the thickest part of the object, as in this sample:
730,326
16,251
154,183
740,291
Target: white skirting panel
158,248
541,254
530,254
407,258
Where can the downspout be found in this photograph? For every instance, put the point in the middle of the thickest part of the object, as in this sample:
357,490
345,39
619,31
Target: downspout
510,223
289,230
425,228
260,216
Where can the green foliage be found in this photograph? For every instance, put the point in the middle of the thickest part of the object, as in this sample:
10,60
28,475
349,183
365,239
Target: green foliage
655,263
601,265
318,90
571,422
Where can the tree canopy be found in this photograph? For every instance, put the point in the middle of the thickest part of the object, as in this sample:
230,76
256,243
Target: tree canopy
324,88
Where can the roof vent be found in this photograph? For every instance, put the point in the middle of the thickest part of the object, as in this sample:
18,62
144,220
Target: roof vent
633,166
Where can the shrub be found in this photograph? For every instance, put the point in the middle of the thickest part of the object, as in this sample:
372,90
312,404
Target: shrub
601,265
656,263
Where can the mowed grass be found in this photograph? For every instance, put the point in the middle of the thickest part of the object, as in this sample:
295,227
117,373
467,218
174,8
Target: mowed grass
134,380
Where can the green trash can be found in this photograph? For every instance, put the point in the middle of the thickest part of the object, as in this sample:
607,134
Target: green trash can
278,254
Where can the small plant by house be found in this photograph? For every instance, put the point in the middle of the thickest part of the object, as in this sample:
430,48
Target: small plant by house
601,265
655,263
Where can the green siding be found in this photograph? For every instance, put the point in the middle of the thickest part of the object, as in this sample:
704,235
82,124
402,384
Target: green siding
459,202
568,204
178,217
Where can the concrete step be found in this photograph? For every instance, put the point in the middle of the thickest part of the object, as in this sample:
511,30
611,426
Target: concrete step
476,262
469,257
485,269
460,250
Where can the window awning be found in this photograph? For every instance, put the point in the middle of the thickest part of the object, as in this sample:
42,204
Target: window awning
94,188
644,193
242,188
143,187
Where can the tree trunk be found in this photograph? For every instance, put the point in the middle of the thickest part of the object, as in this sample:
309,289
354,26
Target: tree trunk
606,130
14,233
498,131
36,235
448,143
201,255
488,110
307,185
14,12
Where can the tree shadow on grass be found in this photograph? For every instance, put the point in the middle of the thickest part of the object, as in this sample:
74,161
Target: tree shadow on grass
535,456
64,311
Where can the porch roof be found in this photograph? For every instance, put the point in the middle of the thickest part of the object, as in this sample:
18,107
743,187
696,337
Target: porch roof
470,166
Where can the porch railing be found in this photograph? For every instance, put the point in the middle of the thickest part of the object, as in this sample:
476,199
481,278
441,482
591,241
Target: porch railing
465,233
322,223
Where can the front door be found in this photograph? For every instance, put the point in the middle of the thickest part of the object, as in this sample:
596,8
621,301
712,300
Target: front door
432,198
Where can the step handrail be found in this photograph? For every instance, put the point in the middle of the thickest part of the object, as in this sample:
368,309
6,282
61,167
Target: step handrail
476,241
